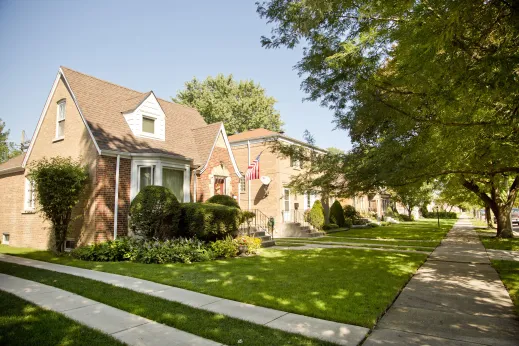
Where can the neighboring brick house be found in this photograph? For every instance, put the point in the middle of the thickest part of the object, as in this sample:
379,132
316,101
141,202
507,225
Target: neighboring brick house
275,199
127,140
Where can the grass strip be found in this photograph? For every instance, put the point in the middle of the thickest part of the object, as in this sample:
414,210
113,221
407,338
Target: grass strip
217,327
510,244
354,286
360,242
509,274
23,323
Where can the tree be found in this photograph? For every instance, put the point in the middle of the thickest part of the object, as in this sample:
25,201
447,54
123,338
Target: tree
59,184
337,214
240,105
425,89
411,196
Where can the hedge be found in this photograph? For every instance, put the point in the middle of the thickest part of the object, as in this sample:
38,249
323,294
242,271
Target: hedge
337,214
207,221
223,200
442,214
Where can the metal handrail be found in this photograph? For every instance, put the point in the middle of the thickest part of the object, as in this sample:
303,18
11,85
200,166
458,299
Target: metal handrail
299,217
260,221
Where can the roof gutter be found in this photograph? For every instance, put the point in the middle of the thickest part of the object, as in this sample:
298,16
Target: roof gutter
130,155
116,203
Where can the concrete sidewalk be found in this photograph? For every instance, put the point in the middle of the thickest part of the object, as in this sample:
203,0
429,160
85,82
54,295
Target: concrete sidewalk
455,298
128,328
339,333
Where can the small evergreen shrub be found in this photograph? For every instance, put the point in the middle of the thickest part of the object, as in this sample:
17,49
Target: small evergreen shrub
329,226
209,222
225,248
316,215
223,200
351,213
337,214
348,223
155,213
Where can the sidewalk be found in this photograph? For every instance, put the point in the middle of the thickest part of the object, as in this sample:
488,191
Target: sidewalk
455,298
128,328
339,333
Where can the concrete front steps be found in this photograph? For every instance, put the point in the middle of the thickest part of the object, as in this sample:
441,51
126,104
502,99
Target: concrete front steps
297,230
266,240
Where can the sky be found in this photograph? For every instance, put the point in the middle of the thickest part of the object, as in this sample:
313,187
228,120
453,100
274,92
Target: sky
147,45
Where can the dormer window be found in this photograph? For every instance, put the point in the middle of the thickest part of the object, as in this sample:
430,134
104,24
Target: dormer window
60,122
148,125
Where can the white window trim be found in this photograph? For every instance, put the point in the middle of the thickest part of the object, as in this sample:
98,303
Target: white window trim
149,117
157,177
64,103
26,206
4,237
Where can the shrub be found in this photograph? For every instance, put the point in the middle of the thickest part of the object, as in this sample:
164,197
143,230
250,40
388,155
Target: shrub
247,217
59,183
224,200
329,226
337,214
155,213
225,248
348,223
316,216
442,214
406,218
351,213
146,251
207,221
252,244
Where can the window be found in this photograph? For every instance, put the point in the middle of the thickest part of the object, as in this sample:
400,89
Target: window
29,195
5,238
242,185
146,176
309,200
70,244
60,126
173,179
148,125
295,163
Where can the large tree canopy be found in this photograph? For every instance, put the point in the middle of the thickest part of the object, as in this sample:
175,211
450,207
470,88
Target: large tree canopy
240,105
426,89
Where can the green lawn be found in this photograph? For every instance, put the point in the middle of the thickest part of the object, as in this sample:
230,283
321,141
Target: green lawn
500,244
509,273
343,239
209,325
344,285
23,323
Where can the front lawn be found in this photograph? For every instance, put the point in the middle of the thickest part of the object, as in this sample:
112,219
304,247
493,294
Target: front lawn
343,239
345,285
509,273
23,323
511,244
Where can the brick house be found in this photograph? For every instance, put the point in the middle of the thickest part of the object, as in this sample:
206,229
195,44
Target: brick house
274,199
127,140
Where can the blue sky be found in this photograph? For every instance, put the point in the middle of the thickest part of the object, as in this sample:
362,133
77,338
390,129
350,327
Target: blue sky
146,45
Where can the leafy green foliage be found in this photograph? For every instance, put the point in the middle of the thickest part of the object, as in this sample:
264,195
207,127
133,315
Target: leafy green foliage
330,226
155,213
225,248
59,184
251,244
350,212
146,251
442,215
208,221
412,195
337,214
224,200
316,215
348,222
240,105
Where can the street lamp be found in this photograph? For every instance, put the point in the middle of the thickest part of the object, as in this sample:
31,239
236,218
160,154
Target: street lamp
438,215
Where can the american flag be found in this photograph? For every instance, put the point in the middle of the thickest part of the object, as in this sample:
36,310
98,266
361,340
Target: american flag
253,171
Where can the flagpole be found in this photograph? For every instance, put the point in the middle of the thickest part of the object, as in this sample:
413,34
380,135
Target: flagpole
248,163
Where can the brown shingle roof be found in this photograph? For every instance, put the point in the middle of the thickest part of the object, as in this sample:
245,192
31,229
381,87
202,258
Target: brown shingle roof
251,134
102,104
15,162
205,137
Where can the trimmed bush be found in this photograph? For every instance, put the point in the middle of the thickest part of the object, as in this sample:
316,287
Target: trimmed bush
329,226
209,222
155,213
443,215
225,248
146,251
348,223
406,218
351,213
316,215
337,214
224,200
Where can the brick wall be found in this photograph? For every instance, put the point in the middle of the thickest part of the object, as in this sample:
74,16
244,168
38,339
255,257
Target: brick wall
105,197
220,155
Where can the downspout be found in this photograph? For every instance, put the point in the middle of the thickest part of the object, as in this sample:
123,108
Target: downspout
195,185
248,163
116,206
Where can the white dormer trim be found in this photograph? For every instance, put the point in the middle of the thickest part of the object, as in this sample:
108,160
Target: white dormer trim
229,150
149,108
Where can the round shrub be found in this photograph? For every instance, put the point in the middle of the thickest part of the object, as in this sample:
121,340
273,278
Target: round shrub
348,223
337,214
316,215
330,226
225,248
155,213
224,200
350,212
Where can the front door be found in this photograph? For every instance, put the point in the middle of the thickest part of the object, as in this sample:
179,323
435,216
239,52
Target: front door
219,185
286,205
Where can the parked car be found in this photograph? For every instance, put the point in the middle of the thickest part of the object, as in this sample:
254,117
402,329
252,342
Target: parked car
515,216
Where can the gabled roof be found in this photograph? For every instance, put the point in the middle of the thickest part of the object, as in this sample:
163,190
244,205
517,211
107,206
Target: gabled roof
102,103
264,134
205,137
12,165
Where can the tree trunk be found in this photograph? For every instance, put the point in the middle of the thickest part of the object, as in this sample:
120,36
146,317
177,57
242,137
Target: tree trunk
409,212
504,225
488,217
